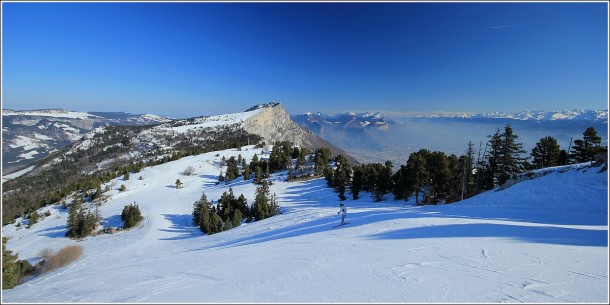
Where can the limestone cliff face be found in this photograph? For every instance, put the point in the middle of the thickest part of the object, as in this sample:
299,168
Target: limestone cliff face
273,123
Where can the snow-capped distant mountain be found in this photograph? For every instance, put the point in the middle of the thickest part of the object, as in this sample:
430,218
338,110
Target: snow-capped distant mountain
318,121
539,115
34,134
376,137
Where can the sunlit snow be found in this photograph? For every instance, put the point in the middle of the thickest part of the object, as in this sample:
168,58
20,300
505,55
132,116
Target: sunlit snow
542,240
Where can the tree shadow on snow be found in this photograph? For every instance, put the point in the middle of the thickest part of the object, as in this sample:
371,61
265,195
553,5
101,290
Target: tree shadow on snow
361,213
535,234
54,232
114,221
182,226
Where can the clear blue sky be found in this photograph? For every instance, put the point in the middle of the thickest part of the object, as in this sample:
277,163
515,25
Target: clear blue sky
187,59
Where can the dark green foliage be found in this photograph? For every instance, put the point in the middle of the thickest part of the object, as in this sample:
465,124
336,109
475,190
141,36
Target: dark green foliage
503,158
123,188
215,224
80,222
260,207
401,189
357,182
232,169
258,175
342,176
237,217
585,150
201,214
10,269
126,175
33,218
321,158
228,215
246,169
131,215
546,153
178,183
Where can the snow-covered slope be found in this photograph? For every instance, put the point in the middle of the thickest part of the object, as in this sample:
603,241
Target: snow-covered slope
31,135
543,240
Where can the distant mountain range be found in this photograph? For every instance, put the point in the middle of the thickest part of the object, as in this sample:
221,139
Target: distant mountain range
29,136
376,137
317,121
33,134
540,115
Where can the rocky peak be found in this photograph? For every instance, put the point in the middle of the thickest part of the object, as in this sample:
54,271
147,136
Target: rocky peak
273,123
261,106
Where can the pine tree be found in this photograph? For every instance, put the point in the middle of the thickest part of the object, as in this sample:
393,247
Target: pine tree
357,182
342,176
417,175
232,169
10,270
126,175
491,169
585,150
201,214
258,175
73,221
130,215
511,162
274,207
546,153
237,217
246,169
401,188
178,183
33,218
260,208
216,224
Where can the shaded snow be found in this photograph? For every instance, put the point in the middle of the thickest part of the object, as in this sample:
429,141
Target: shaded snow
544,240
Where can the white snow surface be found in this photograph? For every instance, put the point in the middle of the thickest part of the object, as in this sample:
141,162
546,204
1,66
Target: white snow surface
213,121
542,240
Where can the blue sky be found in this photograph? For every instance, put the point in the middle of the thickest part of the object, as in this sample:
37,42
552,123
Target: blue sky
187,59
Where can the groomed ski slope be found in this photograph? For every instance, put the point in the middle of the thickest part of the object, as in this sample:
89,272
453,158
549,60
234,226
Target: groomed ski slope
543,240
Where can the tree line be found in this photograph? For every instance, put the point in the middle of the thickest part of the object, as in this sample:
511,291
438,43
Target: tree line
432,176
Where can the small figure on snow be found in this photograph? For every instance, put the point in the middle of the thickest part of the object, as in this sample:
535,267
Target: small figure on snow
343,213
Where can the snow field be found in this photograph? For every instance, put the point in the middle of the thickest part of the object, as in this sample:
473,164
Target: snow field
543,240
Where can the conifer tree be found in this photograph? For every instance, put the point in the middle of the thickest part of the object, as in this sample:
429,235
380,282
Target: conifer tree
178,183
357,182
246,169
232,169
342,176
401,188
546,153
585,150
10,270
260,208
216,224
201,214
258,175
417,175
511,162
237,217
